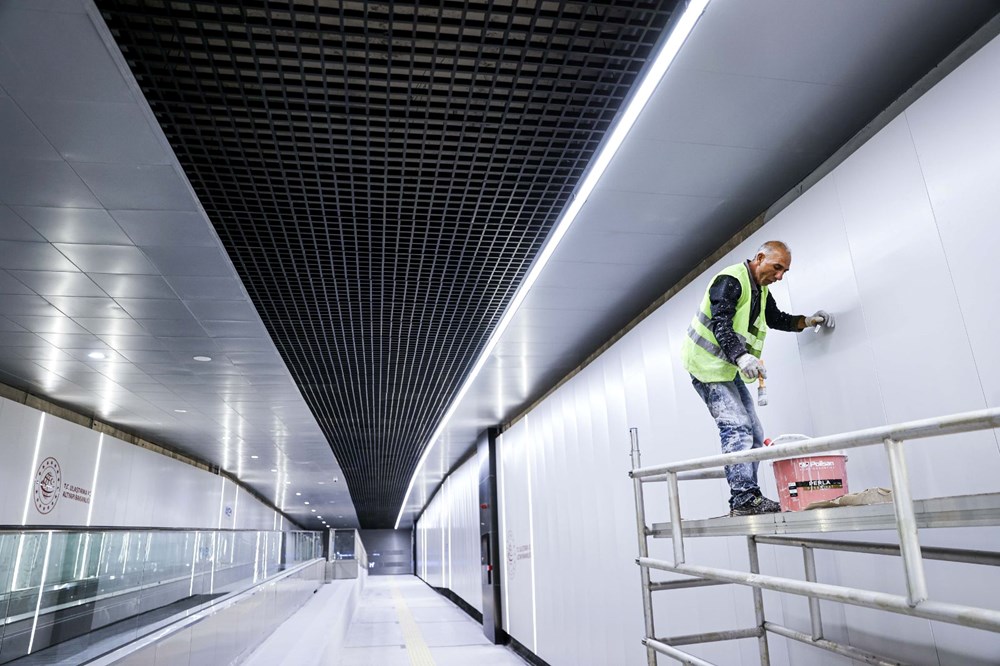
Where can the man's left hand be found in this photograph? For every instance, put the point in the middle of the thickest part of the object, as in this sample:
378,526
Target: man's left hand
820,318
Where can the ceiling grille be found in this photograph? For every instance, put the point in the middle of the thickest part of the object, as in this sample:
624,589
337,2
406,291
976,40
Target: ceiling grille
382,175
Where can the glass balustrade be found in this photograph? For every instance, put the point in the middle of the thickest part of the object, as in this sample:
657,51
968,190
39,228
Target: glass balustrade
114,585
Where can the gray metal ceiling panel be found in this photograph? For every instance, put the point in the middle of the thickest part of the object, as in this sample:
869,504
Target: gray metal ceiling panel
647,213
830,43
13,227
95,258
690,169
88,306
189,261
104,327
137,186
207,288
73,225
43,183
153,308
10,284
53,55
172,228
133,286
17,304
19,137
33,256
96,131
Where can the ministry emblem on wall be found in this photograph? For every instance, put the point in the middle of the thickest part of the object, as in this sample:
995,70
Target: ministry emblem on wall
48,485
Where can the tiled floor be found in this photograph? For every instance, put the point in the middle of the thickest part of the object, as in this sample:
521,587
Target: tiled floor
377,638
399,621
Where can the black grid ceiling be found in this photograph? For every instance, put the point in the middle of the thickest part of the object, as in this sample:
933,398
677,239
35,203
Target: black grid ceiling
382,175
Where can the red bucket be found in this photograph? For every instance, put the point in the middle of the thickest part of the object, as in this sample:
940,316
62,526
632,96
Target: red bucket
802,481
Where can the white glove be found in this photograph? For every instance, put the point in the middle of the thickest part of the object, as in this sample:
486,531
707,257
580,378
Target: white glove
751,367
820,318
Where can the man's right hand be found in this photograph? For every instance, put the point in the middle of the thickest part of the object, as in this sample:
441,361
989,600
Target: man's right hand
751,367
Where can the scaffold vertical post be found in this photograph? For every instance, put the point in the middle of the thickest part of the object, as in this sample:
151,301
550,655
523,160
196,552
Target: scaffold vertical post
809,560
640,519
676,533
906,524
758,603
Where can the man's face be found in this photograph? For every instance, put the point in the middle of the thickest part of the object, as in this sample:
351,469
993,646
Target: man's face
772,267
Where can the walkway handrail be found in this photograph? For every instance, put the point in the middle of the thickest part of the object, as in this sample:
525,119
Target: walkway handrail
933,427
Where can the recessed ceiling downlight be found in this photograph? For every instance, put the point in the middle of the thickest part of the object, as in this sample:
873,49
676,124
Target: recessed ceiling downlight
97,355
203,359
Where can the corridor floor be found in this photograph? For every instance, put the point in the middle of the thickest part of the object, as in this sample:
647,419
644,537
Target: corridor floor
400,621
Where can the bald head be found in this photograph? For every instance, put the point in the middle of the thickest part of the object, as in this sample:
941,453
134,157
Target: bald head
772,261
770,248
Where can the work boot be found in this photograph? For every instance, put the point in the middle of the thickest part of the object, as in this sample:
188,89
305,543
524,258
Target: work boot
755,507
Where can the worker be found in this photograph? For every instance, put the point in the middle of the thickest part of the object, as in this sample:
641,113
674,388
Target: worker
722,353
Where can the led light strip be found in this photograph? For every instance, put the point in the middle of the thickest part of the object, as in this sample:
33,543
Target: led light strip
41,588
93,482
662,60
222,502
31,471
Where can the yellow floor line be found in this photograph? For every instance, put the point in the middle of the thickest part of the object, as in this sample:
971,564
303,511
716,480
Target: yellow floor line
420,654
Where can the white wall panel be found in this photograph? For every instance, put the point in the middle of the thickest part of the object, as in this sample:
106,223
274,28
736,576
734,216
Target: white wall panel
429,535
466,572
135,486
111,500
923,357
448,536
227,505
517,579
20,426
956,131
899,241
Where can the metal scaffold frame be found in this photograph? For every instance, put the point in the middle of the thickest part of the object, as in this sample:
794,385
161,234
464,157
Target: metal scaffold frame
905,517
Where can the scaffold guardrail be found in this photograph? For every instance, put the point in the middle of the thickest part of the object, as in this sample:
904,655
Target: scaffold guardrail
984,509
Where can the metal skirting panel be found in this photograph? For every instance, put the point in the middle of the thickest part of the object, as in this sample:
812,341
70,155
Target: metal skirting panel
341,569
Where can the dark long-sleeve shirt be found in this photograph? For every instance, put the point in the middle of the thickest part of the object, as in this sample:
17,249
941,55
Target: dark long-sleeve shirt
723,296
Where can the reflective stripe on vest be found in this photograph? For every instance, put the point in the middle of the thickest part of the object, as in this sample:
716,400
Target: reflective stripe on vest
706,344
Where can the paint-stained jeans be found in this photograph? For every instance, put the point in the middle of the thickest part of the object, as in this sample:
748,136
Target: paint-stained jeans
732,408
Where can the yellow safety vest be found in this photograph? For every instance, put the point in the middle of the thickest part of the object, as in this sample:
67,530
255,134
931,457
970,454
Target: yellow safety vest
701,353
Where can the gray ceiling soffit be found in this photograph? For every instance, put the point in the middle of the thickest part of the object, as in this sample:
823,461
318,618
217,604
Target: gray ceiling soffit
105,251
382,175
761,94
